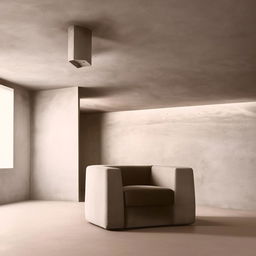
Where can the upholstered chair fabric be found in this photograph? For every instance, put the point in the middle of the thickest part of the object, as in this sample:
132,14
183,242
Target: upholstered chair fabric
119,197
146,195
135,175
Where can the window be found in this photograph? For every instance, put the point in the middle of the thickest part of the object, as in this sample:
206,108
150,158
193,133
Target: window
6,127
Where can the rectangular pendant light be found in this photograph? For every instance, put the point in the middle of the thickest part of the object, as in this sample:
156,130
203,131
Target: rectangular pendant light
79,46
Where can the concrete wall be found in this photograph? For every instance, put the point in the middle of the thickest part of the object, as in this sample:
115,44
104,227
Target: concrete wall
90,145
55,133
217,141
15,183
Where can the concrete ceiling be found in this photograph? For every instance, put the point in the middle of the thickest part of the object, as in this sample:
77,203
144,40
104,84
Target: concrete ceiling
146,53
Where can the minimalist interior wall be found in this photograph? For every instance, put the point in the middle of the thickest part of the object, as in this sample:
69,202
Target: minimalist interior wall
90,145
15,183
55,133
217,141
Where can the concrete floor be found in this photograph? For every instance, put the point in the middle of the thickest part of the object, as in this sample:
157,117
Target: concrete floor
44,228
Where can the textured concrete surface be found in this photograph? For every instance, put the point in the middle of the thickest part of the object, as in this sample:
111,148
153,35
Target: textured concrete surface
146,53
14,183
217,141
54,152
59,229
89,146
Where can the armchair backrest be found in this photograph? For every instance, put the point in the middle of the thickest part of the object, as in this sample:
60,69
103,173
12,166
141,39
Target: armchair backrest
135,175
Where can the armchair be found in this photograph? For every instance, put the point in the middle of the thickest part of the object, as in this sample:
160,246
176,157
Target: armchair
119,197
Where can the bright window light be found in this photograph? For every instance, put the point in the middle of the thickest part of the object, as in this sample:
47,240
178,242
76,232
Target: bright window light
6,127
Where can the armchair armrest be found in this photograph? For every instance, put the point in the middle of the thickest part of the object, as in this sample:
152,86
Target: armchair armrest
104,204
181,181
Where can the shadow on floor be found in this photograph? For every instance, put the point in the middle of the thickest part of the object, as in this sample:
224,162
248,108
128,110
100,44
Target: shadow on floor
221,226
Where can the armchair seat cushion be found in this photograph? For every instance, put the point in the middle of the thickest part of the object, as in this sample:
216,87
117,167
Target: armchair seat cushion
145,195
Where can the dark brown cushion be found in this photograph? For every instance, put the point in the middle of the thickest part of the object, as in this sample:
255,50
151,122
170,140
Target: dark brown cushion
134,175
143,195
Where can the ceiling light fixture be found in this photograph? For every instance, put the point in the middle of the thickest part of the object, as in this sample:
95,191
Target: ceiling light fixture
79,46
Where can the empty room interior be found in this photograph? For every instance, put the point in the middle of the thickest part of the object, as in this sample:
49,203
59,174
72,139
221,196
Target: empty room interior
127,127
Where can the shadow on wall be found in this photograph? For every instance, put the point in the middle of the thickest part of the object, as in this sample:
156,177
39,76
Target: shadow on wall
211,225
90,145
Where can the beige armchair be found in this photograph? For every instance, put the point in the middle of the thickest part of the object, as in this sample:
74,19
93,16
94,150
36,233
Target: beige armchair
119,197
